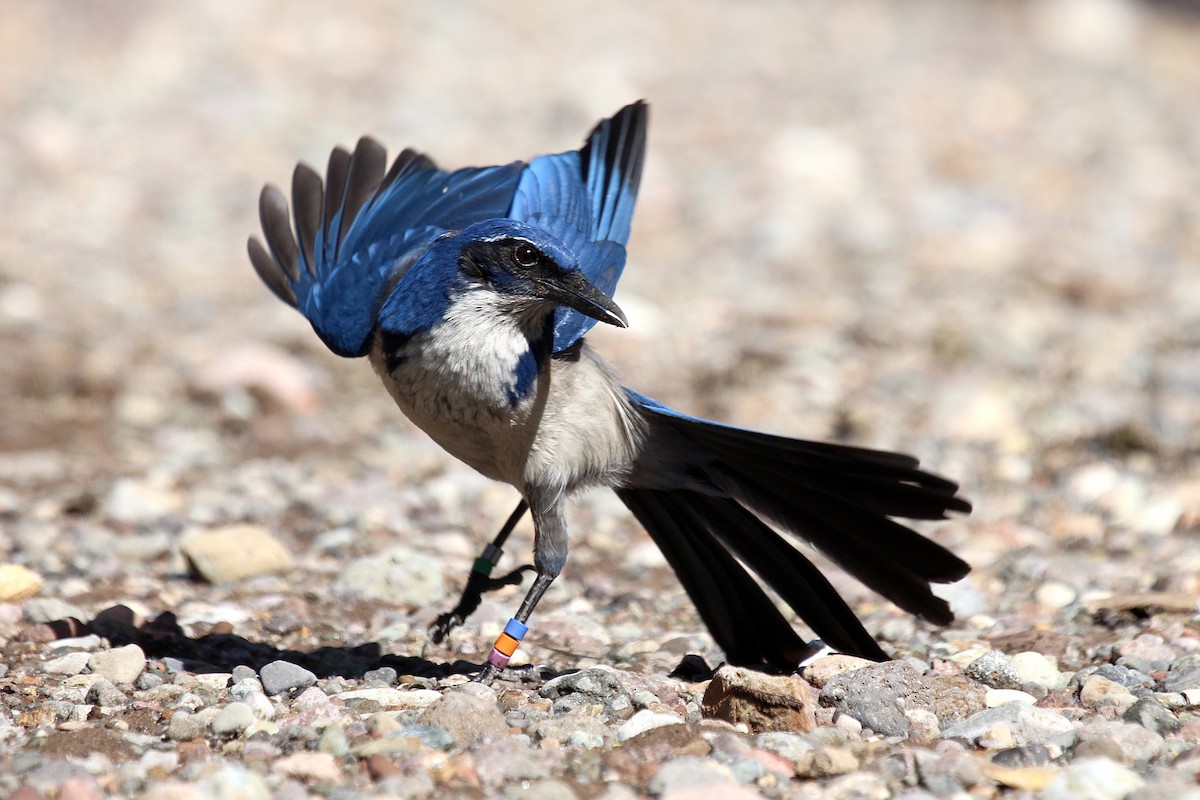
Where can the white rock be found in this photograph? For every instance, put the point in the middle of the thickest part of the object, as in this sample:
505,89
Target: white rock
646,720
70,664
388,697
1041,670
998,697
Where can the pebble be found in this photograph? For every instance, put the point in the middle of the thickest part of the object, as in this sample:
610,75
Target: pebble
69,664
18,582
1039,670
1124,742
121,665
134,502
284,676
1028,724
233,718
51,609
399,575
994,669
820,671
388,697
691,771
593,686
333,741
1093,779
998,697
1152,716
309,767
235,552
763,702
1183,675
1099,692
645,720
232,781
468,719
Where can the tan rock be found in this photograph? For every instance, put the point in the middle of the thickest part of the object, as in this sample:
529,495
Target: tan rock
764,702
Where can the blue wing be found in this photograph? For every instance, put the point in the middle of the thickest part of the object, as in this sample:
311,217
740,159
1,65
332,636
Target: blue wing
357,233
585,198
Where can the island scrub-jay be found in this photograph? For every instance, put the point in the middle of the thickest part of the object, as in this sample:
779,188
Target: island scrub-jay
471,291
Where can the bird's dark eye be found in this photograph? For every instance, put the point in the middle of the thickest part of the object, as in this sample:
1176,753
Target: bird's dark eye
526,255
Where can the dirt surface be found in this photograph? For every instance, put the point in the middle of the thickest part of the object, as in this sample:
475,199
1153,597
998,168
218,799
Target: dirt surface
968,231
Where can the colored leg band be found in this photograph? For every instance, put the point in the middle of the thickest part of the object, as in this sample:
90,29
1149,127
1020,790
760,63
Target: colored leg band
507,643
482,566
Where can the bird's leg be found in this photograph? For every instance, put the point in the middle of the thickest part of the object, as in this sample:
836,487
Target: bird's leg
549,556
479,581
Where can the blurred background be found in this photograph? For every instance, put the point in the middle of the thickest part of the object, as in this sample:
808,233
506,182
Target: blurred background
966,230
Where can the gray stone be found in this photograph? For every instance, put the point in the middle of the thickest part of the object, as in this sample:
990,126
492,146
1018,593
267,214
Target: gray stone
231,781
282,676
233,718
878,695
1029,724
48,609
103,693
788,745
1124,742
69,664
1093,779
994,669
184,726
1027,755
121,665
1184,674
593,686
545,789
468,718
688,771
399,575
1150,714
565,727
333,741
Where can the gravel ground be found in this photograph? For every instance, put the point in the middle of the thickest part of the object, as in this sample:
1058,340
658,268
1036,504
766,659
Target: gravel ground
962,229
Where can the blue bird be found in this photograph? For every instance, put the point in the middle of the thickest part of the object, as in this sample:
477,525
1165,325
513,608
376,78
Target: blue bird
471,292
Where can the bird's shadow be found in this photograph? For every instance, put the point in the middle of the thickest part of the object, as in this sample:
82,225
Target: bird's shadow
162,638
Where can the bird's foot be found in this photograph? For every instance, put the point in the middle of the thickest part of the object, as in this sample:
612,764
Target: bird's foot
478,584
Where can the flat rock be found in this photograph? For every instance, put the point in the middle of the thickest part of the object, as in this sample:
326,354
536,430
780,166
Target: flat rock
879,695
1028,724
234,552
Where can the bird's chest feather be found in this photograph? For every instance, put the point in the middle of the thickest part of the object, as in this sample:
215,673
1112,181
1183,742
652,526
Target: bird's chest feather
469,382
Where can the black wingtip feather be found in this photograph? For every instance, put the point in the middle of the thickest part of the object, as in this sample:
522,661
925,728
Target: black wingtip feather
308,195
407,161
271,273
335,190
364,174
273,214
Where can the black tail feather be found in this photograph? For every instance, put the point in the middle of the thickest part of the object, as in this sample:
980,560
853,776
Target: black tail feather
743,621
839,499
700,536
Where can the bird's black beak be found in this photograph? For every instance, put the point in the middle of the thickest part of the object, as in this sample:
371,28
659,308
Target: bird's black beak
575,291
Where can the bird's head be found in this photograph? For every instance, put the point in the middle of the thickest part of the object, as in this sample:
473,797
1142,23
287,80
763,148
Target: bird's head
529,266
